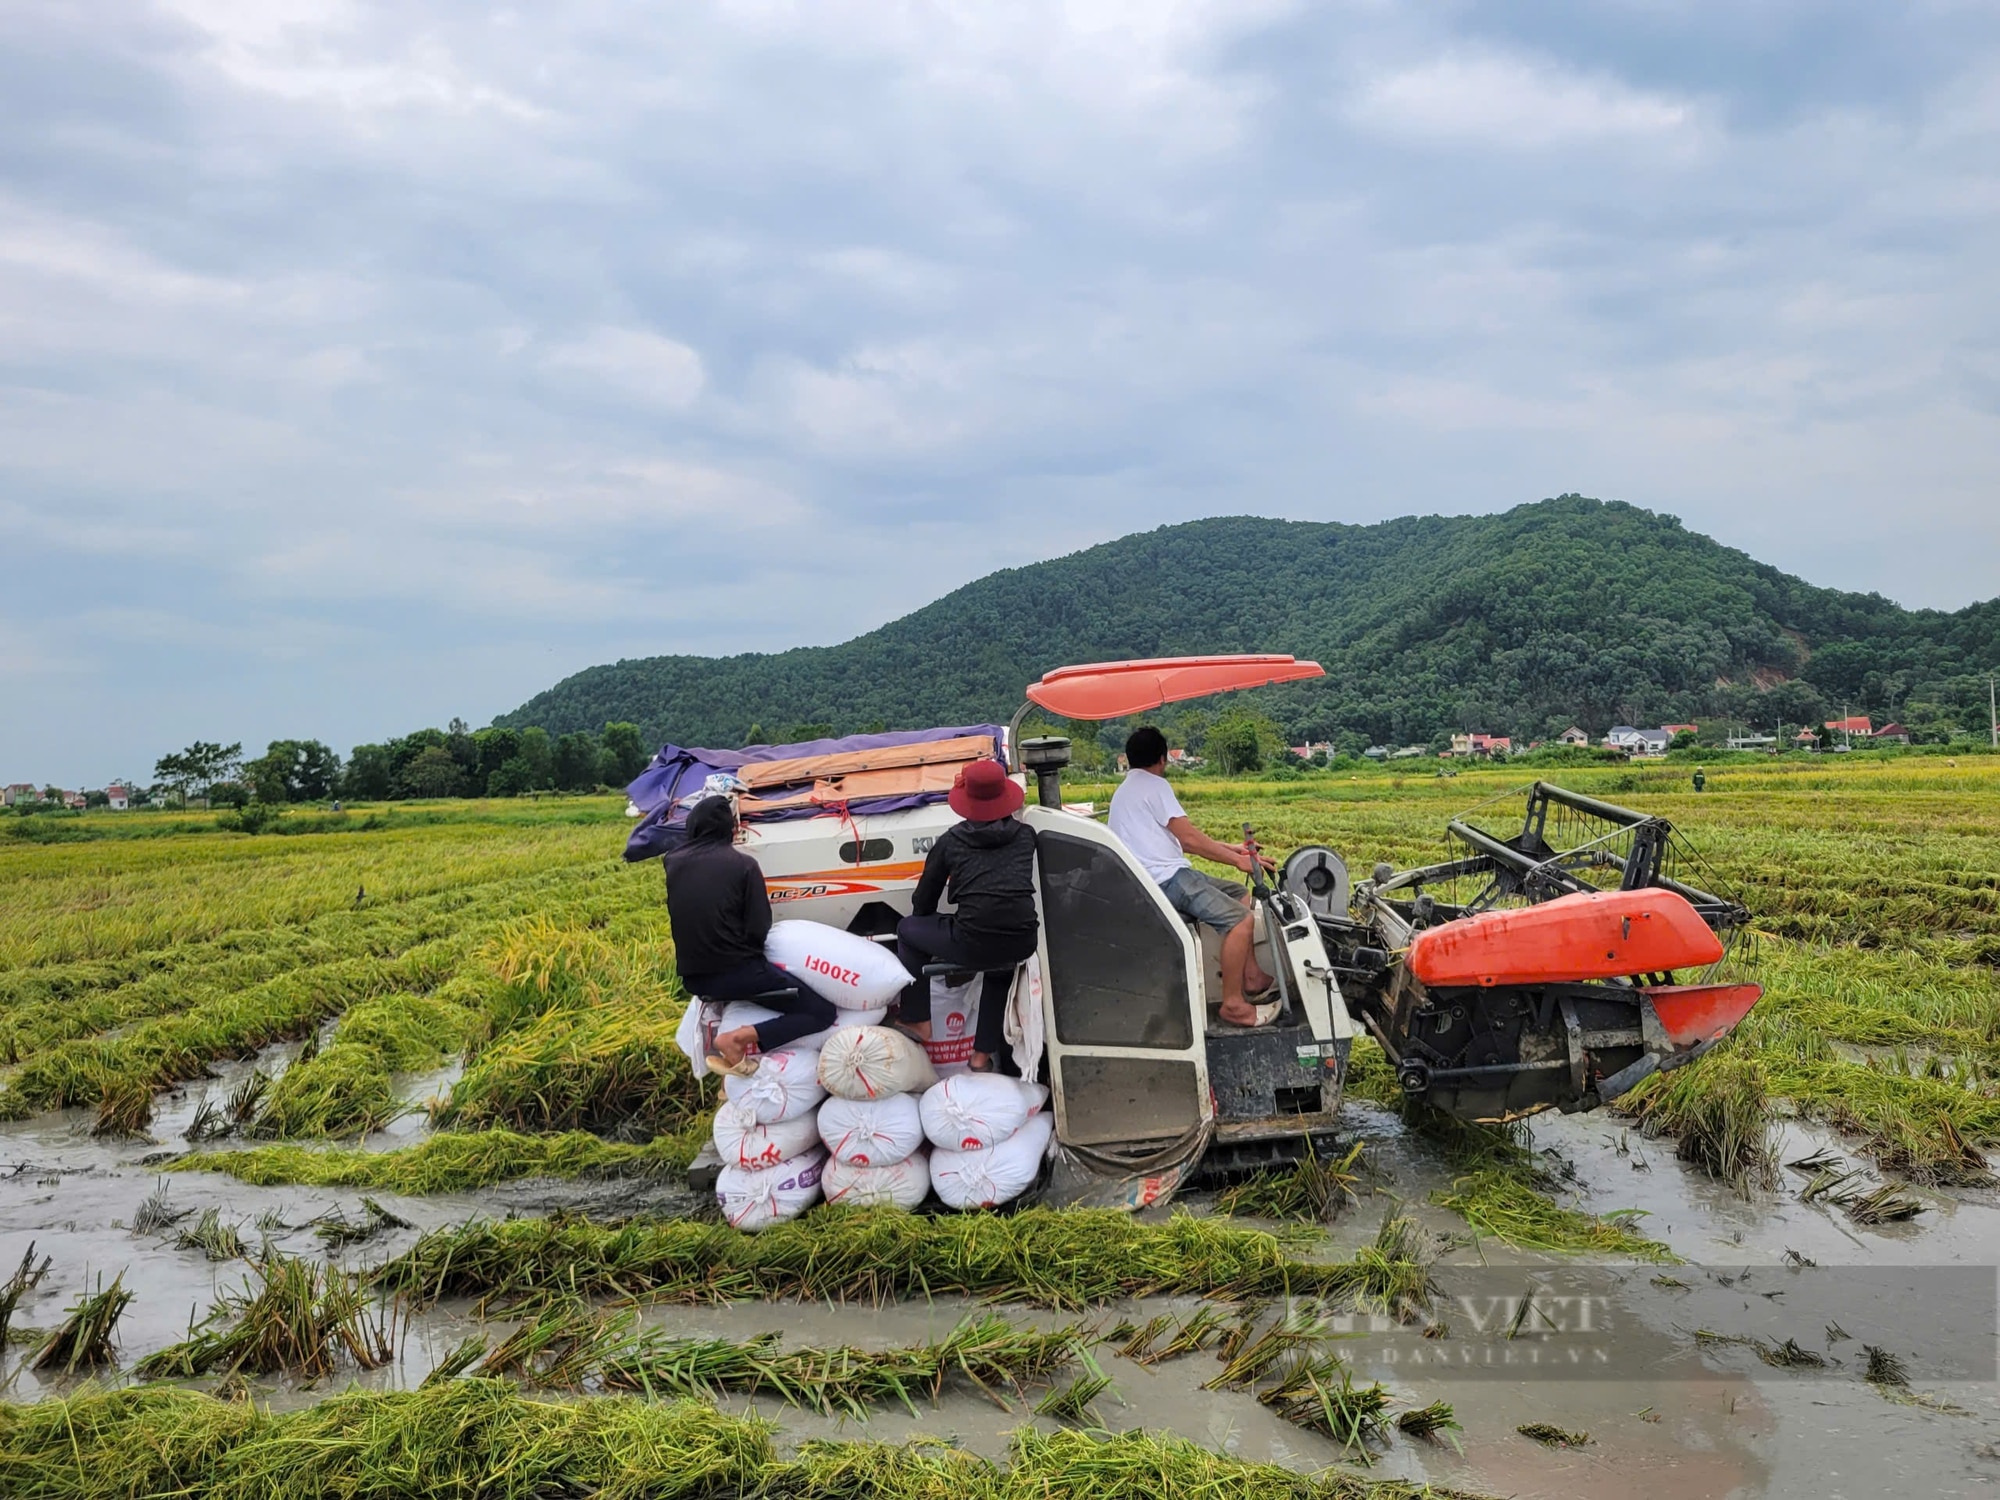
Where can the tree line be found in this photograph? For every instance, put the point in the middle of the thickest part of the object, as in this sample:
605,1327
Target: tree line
456,761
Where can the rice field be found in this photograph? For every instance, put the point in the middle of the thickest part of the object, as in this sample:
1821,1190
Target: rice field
443,1000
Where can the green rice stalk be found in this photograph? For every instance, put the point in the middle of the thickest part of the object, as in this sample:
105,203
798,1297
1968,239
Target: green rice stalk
1306,1394
124,1106
1882,1206
343,1091
1719,1110
1433,1423
484,1438
206,1121
463,1357
1054,1258
1136,1341
83,1340
1205,1327
455,1162
292,1316
248,1097
213,1238
1072,1402
27,1276
1504,1192
1551,1436
1313,1189
1885,1368
562,1346
615,1067
336,1229
987,1352
1299,1331
155,1213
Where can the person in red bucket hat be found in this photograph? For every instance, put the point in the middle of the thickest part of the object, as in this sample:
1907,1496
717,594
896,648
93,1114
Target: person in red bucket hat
987,866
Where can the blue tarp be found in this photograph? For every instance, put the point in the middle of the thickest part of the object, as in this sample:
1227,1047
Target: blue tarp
678,771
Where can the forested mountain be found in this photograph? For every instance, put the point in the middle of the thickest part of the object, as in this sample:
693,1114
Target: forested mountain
1567,611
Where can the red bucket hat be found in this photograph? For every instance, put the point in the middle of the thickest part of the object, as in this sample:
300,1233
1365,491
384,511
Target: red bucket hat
983,792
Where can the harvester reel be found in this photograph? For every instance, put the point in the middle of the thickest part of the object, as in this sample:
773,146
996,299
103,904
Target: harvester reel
1318,877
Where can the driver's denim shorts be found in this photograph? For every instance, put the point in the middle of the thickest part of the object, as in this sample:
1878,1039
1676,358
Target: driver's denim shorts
1204,899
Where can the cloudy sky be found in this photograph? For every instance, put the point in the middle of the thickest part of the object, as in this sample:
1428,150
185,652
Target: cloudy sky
362,365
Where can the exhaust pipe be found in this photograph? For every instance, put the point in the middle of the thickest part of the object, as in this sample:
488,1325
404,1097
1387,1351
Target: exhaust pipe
1046,755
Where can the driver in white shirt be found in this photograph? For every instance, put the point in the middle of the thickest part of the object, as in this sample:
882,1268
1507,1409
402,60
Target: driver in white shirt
1147,818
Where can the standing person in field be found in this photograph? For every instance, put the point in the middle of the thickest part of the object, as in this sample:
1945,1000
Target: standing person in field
987,866
720,916
1147,818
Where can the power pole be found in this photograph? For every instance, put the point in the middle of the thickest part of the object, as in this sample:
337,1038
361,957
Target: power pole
1992,718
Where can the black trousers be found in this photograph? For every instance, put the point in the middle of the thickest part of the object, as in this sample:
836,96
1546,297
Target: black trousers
799,1015
939,940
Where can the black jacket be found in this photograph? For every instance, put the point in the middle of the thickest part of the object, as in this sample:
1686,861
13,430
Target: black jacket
717,907
989,871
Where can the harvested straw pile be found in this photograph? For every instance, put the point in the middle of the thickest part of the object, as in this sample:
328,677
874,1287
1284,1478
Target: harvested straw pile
482,1437
1068,1259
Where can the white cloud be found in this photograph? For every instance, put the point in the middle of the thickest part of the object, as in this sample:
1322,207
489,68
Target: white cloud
645,366
1505,102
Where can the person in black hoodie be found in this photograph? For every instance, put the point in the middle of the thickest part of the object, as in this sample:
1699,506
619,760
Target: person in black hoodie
987,866
720,916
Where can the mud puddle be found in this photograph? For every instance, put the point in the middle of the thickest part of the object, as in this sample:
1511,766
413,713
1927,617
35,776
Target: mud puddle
1704,1220
1667,1414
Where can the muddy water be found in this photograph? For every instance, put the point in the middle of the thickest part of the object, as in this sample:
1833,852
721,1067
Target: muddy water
1668,1417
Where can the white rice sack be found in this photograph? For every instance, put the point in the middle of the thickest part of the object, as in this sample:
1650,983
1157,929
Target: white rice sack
971,1111
999,1174
852,971
954,1023
873,1062
752,1197
743,1140
904,1183
871,1132
843,1018
784,1087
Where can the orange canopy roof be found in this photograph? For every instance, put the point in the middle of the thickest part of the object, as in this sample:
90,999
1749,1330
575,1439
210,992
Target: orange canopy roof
1112,689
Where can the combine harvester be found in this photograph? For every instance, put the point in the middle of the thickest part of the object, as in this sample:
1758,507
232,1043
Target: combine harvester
1538,970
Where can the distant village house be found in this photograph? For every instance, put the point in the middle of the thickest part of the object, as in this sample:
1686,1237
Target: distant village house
1481,745
1638,741
1573,736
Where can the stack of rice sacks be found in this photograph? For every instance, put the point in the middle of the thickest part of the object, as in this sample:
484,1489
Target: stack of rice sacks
871,1127
989,1136
767,1129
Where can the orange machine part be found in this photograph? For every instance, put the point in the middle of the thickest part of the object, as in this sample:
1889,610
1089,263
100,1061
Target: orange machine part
1591,935
1691,1013
1113,689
